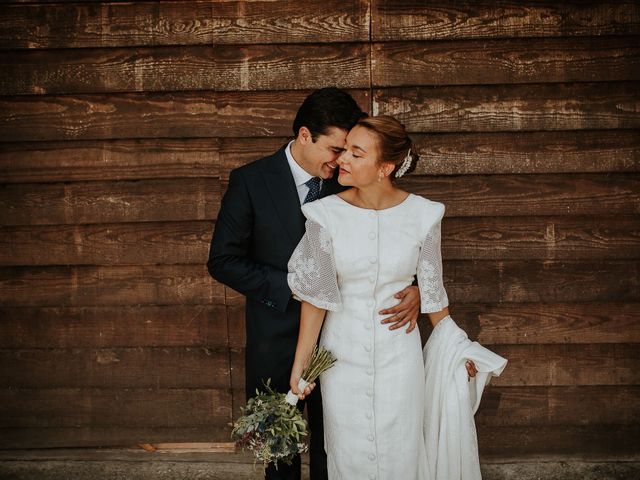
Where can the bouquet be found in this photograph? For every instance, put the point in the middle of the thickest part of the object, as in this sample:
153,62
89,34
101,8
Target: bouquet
271,426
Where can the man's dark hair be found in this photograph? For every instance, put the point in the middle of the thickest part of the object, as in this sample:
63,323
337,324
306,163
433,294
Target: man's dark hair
325,108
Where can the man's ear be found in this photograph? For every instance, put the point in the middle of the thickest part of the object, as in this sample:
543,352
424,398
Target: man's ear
304,136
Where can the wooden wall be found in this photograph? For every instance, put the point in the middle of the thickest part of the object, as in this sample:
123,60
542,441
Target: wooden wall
120,123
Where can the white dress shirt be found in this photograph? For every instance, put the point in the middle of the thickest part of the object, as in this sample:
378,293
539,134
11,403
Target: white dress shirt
300,175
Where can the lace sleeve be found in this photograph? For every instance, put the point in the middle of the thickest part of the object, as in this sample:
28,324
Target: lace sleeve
312,269
433,296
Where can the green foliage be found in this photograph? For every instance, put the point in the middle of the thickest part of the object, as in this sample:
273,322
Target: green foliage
270,428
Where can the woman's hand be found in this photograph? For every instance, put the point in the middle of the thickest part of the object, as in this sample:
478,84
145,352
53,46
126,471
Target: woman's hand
296,372
471,369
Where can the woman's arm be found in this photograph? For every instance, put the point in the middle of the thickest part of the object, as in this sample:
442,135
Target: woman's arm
311,319
435,317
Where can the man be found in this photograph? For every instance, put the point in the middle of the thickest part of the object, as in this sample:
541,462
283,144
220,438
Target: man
259,226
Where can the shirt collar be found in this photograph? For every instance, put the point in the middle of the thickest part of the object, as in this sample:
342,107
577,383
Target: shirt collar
300,175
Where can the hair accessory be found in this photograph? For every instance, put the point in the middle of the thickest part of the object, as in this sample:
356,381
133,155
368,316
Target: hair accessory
406,163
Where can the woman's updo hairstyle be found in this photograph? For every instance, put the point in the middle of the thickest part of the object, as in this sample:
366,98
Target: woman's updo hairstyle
393,142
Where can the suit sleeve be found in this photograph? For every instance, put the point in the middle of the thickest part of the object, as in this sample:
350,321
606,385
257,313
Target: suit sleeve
229,262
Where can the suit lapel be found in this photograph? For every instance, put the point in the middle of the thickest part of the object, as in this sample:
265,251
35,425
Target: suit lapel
282,188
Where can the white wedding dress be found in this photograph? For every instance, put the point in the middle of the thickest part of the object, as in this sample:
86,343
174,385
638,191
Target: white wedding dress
351,261
391,410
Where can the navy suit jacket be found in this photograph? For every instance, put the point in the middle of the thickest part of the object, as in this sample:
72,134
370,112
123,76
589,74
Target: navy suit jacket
259,225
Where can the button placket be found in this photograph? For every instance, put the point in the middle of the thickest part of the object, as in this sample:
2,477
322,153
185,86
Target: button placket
371,304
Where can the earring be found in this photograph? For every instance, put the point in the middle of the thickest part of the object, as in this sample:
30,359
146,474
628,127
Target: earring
380,175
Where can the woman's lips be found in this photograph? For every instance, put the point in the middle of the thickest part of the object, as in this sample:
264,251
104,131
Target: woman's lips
342,170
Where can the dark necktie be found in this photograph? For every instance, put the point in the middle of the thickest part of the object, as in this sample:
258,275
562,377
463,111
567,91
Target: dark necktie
314,189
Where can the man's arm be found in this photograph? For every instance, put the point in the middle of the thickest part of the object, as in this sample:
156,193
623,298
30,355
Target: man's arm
406,312
228,255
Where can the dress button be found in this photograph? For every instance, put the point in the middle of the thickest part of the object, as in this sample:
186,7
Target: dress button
369,415
367,348
370,438
372,476
372,214
369,393
368,326
369,371
372,235
373,259
372,457
372,279
370,303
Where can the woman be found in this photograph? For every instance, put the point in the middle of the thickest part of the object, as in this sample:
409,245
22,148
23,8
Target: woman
360,247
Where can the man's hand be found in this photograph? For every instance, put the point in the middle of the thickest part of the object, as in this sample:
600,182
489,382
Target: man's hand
406,312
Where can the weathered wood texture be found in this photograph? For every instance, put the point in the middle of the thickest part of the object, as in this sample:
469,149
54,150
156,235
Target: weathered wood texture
122,120
152,115
466,238
418,20
220,68
113,24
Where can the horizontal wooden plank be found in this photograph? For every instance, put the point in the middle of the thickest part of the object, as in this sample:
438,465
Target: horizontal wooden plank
467,281
109,436
218,67
153,115
505,61
113,327
504,441
198,199
521,441
108,202
584,441
541,365
30,162
113,24
87,24
260,21
569,365
501,443
537,406
558,237
113,368
522,152
518,195
418,20
547,323
97,407
107,244
517,323
491,108
464,238
486,152
611,405
81,286
287,67
541,281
